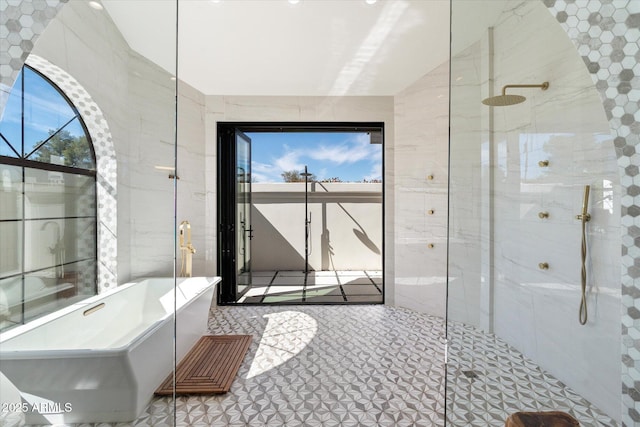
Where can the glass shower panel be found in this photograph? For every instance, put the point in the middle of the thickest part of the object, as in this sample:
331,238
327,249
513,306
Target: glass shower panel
87,212
519,168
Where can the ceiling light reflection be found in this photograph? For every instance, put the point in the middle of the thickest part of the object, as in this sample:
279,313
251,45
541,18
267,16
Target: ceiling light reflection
381,30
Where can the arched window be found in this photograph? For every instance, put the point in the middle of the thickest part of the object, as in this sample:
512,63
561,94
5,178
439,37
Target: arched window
47,202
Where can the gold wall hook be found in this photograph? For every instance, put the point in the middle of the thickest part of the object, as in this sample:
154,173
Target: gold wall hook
431,211
430,177
543,266
431,245
543,215
543,163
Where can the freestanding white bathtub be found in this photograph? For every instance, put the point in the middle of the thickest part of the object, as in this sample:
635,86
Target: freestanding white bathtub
100,360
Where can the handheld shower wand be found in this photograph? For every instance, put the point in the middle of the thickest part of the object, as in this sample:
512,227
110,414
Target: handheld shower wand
584,217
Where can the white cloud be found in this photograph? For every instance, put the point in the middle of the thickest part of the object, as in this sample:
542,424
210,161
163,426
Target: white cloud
289,161
351,151
272,172
265,172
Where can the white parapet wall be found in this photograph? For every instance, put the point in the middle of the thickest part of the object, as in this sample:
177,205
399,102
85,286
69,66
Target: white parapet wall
345,232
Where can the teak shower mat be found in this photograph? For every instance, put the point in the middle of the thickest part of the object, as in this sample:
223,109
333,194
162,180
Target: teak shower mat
209,367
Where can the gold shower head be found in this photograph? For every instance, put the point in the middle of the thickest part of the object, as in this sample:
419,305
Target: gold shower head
504,99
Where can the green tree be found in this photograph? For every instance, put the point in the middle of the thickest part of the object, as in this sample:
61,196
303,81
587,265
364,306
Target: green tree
295,176
74,150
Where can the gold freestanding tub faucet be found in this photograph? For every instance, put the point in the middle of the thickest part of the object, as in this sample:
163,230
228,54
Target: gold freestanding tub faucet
186,250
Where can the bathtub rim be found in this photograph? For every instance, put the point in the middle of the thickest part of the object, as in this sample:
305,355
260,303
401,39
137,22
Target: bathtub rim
82,305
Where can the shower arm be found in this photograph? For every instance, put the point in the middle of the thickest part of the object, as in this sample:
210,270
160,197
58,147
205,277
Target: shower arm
543,86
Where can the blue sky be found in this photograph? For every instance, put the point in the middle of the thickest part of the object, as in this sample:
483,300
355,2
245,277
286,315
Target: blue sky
45,110
348,156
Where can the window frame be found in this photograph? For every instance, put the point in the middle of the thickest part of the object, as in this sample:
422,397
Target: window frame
25,163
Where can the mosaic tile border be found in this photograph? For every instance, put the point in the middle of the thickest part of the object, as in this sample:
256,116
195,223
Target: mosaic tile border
607,36
21,23
106,166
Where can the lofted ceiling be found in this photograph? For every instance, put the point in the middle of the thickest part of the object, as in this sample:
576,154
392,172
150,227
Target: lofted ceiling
273,47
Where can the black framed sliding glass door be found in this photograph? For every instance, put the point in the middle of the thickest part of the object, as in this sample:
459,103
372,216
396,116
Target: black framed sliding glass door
234,213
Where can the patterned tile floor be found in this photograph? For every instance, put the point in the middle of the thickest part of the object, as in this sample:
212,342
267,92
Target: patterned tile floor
367,365
295,287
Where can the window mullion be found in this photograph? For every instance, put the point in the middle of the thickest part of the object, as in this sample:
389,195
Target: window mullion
50,136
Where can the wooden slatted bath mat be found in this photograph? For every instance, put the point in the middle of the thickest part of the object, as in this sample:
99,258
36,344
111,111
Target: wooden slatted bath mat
210,366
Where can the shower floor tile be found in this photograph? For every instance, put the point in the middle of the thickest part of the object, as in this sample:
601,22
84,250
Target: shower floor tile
367,365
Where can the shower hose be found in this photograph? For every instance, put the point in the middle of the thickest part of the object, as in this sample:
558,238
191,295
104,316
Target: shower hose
583,301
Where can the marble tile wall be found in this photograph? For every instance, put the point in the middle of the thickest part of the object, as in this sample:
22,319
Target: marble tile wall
420,182
468,187
194,183
536,310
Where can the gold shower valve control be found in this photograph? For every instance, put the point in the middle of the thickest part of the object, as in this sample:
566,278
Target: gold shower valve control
543,266
543,163
543,215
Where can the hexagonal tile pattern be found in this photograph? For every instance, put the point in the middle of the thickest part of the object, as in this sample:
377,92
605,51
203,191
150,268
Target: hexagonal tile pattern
21,23
607,34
